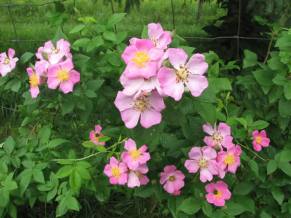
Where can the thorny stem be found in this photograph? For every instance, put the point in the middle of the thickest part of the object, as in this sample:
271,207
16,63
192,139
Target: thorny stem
94,154
269,47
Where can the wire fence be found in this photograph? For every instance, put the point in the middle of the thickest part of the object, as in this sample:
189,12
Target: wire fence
17,40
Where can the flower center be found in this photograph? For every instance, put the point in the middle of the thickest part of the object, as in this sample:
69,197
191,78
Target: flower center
115,172
217,194
203,163
33,80
259,139
135,154
140,58
217,138
141,103
172,178
229,159
63,75
6,61
182,74
55,50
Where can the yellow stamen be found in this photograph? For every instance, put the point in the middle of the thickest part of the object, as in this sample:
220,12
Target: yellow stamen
229,159
217,194
34,80
115,172
182,74
259,139
172,178
63,75
135,154
6,61
203,163
141,103
140,58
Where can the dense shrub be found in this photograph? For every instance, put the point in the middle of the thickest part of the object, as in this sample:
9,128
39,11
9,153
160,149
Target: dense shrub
47,157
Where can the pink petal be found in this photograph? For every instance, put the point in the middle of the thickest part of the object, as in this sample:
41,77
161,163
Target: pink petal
74,76
197,84
123,102
150,118
224,129
208,129
11,53
66,86
155,30
177,57
52,82
195,153
34,92
156,101
192,166
130,144
197,64
130,117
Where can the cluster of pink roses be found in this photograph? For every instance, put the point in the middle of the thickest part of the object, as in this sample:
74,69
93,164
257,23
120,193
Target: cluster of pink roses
7,62
55,65
132,168
146,79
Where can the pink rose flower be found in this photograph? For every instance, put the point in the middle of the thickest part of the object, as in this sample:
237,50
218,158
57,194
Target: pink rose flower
116,171
63,75
172,180
219,136
189,74
260,140
203,159
146,106
229,160
34,81
137,177
54,54
142,59
95,135
7,62
217,193
134,157
159,37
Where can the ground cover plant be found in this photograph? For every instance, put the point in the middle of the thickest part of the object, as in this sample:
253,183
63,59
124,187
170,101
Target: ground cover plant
98,123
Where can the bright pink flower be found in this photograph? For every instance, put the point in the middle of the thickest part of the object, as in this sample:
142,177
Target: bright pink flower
217,193
142,59
34,81
63,75
54,54
203,159
7,62
95,135
260,140
189,74
229,160
137,177
137,85
146,106
134,157
172,180
219,136
159,37
116,171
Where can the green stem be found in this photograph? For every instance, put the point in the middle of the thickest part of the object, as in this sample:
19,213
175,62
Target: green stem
92,155
256,154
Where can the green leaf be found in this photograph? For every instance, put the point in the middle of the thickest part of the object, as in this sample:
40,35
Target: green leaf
144,191
115,19
65,171
38,176
190,206
243,188
25,178
26,57
235,209
206,110
56,142
110,36
77,28
72,203
259,124
264,78
278,195
75,180
284,108
287,90
9,145
44,134
250,59
81,43
254,167
271,167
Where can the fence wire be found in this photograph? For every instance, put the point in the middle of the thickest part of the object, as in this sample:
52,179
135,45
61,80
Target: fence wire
17,40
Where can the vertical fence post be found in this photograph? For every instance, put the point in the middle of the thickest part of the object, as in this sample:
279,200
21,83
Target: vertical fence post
173,14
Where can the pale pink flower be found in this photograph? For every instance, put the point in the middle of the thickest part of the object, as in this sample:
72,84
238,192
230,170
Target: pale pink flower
142,59
219,136
54,54
137,177
41,67
204,160
7,62
185,75
63,75
144,106
34,81
116,171
172,180
134,157
159,37
229,160
260,140
139,84
95,135
217,193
